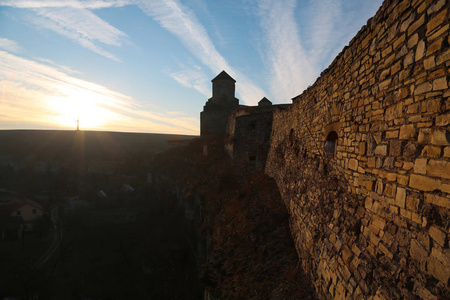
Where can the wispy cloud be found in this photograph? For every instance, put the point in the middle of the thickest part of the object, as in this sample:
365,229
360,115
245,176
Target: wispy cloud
325,29
182,22
74,20
43,95
193,79
80,25
290,66
90,4
9,45
303,41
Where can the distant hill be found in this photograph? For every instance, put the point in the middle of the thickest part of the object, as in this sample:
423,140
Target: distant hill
61,144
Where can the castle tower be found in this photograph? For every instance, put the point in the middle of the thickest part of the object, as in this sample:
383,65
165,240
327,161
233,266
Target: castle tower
214,117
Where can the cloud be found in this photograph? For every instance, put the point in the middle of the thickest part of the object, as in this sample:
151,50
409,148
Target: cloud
9,45
180,21
290,66
74,20
193,79
89,4
42,95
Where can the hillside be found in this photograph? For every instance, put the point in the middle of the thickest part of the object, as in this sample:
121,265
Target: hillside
59,144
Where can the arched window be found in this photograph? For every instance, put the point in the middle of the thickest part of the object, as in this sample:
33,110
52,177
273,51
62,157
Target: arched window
330,143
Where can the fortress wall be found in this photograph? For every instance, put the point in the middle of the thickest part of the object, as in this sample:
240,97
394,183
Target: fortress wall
370,218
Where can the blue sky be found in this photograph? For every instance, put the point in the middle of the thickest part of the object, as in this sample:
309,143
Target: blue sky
146,66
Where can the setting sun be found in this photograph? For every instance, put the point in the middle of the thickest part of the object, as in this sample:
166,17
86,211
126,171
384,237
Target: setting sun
86,106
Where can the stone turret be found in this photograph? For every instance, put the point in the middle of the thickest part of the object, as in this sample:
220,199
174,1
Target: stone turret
214,117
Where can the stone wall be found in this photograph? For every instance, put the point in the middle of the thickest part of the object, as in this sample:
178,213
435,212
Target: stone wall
249,138
369,211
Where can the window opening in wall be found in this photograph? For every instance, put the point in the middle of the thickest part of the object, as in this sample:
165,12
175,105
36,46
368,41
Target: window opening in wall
252,126
252,158
330,143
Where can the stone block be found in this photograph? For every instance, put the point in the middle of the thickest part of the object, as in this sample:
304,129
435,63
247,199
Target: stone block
407,132
437,200
416,218
381,150
402,93
443,57
362,148
384,84
424,183
417,252
438,168
353,164
394,111
392,134
440,84
425,135
402,179
443,256
436,21
405,213
440,137
437,235
400,197
388,163
420,50
395,148
414,26
435,46
438,270
409,59
385,251
391,177
379,187
412,203
431,151
407,165
412,41
435,8
347,255
443,120
447,152
371,162
429,63
420,166
423,88
378,222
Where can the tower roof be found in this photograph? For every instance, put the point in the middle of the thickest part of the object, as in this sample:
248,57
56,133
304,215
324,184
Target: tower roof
264,102
223,76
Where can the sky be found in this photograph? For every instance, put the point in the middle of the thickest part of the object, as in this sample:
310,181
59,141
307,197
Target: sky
146,66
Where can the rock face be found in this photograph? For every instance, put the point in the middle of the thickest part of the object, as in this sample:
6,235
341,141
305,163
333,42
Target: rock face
369,210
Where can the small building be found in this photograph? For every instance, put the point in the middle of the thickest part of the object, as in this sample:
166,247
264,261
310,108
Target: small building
29,210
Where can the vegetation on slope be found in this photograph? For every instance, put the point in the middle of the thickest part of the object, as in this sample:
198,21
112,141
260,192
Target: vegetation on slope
250,253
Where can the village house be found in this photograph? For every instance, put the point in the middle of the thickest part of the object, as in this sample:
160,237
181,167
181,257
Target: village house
29,210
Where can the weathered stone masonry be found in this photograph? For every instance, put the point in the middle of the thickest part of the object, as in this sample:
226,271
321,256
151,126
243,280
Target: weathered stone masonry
362,160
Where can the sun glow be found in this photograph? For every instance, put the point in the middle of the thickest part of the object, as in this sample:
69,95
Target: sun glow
90,108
